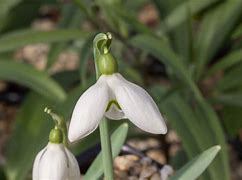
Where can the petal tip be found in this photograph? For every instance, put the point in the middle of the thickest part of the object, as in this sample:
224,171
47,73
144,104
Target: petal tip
72,137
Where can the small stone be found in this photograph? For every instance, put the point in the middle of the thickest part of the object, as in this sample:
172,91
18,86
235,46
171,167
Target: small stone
157,155
166,171
155,176
123,163
145,161
136,169
172,137
120,175
133,178
147,171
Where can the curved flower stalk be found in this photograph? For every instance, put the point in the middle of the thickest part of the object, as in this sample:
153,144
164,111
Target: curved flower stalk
55,161
114,97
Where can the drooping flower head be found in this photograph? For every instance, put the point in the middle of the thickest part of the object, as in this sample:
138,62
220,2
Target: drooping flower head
55,161
114,97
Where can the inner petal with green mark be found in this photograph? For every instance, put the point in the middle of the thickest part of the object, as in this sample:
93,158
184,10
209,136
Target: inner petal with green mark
114,111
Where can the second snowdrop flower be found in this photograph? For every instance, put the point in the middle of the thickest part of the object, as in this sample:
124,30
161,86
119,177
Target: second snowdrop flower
116,98
55,161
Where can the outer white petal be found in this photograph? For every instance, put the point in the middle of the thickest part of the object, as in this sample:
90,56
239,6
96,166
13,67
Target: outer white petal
89,110
137,105
73,168
35,172
114,113
52,164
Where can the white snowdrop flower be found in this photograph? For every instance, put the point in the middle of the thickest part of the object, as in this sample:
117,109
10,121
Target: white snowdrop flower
55,161
116,98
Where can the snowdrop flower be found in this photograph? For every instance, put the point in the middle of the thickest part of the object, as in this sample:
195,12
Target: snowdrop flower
55,161
116,98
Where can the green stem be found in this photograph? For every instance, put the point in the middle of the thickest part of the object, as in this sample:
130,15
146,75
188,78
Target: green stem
106,150
102,41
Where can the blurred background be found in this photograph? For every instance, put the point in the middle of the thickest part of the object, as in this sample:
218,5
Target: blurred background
186,53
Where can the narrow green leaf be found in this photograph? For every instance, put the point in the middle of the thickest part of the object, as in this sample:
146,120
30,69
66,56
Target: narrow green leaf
231,79
179,14
19,38
233,99
214,33
71,18
32,78
118,137
181,116
226,62
202,127
29,137
165,54
132,21
182,38
231,116
194,168
237,32
85,54
206,113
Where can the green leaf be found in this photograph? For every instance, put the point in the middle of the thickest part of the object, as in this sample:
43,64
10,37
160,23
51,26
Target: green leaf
231,79
17,17
181,116
231,116
71,18
118,137
232,99
132,21
32,78
194,168
179,159
202,127
226,62
166,55
20,38
28,138
179,14
85,54
182,38
237,32
6,6
215,30
206,113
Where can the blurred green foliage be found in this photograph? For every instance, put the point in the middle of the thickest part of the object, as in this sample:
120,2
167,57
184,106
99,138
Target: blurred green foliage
198,43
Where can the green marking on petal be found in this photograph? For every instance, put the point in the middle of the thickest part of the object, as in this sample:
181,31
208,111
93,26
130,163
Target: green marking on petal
113,102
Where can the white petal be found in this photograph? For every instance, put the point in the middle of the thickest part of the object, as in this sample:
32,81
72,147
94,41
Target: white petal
52,164
35,172
89,110
73,168
115,113
137,105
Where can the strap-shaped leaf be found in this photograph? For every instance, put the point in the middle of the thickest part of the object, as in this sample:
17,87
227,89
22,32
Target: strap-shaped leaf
215,29
19,38
179,14
32,78
194,168
161,49
29,137
226,62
